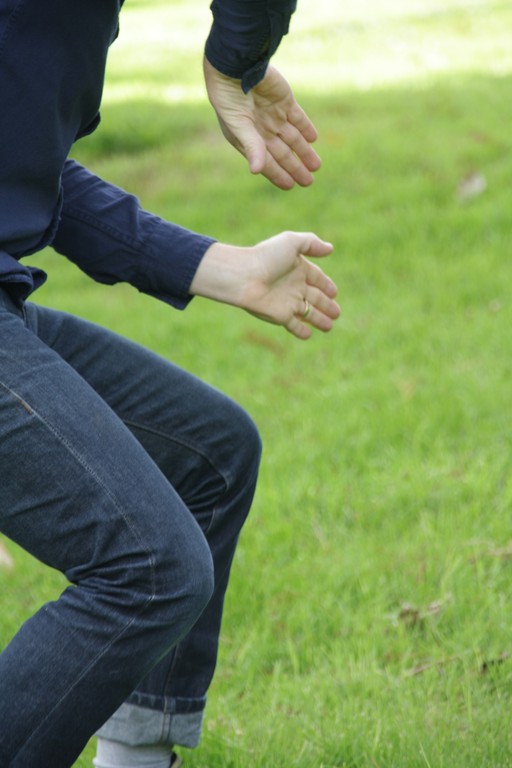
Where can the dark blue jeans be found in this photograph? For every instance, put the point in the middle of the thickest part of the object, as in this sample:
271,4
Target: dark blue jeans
133,479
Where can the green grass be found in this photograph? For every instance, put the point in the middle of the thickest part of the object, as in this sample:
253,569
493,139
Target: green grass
368,619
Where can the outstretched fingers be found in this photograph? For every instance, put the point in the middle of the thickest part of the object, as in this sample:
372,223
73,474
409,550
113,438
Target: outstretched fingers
298,328
300,146
290,159
318,308
299,119
317,279
323,311
275,172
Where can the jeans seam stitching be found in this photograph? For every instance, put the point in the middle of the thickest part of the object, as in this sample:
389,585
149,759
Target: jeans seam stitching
81,460
78,457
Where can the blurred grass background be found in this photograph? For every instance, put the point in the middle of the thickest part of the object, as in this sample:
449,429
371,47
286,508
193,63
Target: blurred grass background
368,619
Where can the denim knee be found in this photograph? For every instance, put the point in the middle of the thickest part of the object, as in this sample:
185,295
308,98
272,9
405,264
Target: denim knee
157,584
184,583
246,444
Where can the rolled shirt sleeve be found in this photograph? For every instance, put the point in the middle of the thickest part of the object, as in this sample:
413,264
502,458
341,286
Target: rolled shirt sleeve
244,36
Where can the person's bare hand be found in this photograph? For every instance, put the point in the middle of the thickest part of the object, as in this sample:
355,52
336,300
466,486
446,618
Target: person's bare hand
266,125
274,281
288,289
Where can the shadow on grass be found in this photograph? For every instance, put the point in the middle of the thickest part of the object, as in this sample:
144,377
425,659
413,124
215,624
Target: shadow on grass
394,164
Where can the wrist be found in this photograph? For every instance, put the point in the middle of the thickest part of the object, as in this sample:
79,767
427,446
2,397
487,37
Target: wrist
211,71
223,274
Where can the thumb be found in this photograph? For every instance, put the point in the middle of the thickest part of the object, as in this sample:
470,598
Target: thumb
244,136
254,150
310,244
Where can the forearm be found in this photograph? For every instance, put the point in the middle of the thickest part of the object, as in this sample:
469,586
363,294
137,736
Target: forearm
111,238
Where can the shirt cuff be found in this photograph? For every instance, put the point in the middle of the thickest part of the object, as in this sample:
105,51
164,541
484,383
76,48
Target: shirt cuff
166,274
242,40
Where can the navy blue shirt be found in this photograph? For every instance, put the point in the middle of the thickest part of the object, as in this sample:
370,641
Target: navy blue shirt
52,68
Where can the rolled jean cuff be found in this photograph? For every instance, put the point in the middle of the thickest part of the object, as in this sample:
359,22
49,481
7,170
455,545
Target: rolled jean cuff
135,725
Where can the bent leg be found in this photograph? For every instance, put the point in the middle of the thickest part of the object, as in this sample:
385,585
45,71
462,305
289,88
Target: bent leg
82,495
209,450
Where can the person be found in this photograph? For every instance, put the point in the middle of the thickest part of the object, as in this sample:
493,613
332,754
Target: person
125,473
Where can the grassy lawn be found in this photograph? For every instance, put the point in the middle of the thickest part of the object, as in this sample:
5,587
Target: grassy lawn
367,623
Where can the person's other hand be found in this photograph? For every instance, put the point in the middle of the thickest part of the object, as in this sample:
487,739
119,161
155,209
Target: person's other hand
266,125
288,289
273,281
